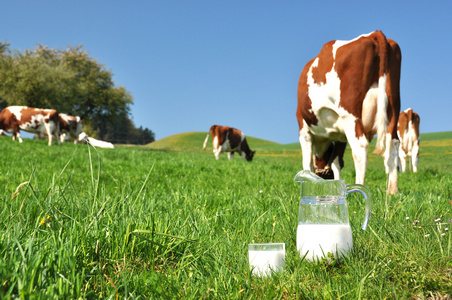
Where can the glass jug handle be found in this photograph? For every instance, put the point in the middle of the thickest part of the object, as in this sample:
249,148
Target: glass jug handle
367,196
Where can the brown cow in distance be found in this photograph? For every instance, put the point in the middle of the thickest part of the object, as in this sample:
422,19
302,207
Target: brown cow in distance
408,131
34,120
348,93
228,139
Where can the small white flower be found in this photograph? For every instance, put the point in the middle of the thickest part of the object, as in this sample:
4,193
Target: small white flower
446,229
407,218
427,235
437,220
443,234
261,191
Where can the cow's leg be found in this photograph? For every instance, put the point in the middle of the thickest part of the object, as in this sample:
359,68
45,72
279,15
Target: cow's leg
230,155
243,154
63,137
359,145
306,149
217,152
335,166
402,159
17,134
57,136
51,130
19,138
415,156
48,132
390,157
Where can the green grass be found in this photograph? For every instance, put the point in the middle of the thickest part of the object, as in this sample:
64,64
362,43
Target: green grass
143,223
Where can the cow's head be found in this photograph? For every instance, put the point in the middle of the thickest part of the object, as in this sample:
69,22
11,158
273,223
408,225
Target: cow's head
249,155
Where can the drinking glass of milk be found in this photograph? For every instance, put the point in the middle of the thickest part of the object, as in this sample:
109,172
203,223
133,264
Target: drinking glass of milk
265,258
323,223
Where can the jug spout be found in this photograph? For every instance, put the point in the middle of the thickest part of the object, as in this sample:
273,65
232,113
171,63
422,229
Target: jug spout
307,176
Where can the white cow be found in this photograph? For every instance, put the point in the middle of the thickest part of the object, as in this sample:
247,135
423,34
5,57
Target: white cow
408,132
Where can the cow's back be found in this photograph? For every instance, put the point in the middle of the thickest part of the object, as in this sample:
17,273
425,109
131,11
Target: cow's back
226,134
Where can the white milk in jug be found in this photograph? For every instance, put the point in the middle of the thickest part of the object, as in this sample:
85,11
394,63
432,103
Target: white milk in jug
317,240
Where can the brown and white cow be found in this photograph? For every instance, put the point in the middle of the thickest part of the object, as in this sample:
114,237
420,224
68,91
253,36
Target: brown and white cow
348,93
408,132
70,126
35,120
228,139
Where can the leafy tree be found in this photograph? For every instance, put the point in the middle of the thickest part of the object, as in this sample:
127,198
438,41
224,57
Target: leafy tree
72,82
33,78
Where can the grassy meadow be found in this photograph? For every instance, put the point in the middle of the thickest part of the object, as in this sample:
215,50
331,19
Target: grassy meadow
168,221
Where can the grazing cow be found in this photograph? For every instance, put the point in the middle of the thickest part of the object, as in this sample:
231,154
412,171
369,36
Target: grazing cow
70,126
348,93
35,120
83,137
408,132
228,139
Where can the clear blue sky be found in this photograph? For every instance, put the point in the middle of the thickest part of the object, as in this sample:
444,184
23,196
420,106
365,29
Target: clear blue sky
191,64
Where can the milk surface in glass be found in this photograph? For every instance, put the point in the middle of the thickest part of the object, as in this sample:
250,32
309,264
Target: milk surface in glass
263,261
318,239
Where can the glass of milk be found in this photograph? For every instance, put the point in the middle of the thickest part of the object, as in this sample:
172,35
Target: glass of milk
266,258
323,222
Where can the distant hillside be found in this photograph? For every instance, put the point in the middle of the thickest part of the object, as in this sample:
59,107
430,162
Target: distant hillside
436,136
194,141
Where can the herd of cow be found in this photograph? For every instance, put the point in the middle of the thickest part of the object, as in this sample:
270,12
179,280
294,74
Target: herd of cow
45,121
348,93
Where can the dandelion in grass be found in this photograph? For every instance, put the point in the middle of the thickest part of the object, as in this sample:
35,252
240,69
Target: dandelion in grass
45,221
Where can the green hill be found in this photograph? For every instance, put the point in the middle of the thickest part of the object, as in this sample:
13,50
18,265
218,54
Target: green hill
194,140
436,136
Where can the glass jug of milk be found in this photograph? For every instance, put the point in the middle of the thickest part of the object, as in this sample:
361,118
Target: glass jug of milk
323,223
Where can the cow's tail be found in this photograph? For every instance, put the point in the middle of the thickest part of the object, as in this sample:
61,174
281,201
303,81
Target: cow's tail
205,141
382,101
